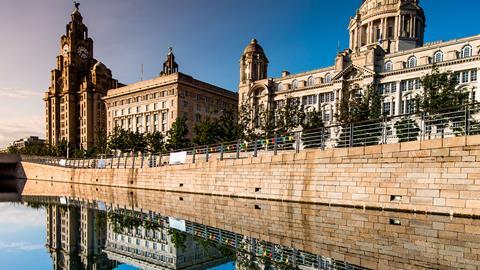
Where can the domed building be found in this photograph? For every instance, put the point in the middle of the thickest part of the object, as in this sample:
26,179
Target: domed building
386,50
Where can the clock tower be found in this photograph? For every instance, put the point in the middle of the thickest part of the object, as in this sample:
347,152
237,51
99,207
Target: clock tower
75,111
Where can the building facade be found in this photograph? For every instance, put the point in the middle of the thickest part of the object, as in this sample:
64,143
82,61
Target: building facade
153,105
387,50
32,140
74,109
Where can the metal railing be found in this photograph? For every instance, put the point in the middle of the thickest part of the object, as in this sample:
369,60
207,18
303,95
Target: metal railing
450,122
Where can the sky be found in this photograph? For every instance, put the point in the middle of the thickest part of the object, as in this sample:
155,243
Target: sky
208,37
22,238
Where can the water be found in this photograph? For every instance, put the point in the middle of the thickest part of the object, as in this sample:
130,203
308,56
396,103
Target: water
63,226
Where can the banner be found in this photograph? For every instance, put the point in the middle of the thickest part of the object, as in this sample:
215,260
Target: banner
63,162
178,158
178,224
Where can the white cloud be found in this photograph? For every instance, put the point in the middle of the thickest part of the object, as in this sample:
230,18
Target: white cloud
19,246
15,217
13,92
13,128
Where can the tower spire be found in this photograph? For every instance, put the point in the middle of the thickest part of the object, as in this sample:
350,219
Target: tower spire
169,66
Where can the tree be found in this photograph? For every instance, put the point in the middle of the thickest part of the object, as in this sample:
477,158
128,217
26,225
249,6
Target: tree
360,116
177,135
229,127
206,132
118,139
266,123
101,142
313,133
290,116
245,127
407,130
155,142
136,141
441,92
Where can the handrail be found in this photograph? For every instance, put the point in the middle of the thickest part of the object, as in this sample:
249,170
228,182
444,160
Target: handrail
401,128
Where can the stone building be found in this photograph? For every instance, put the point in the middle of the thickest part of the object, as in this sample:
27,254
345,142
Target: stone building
75,111
153,105
386,49
24,142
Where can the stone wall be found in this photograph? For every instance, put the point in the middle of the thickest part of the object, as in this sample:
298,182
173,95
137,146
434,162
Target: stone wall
440,175
361,237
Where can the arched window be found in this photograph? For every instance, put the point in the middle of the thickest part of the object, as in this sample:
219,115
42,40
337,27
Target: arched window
388,66
280,87
466,51
328,78
294,84
412,62
438,57
311,81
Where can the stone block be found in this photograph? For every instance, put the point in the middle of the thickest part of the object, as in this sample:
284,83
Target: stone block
454,142
410,146
356,151
431,144
390,148
473,140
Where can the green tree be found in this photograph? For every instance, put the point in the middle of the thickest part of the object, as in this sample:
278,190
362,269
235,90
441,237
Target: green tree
313,133
360,116
155,142
245,124
206,132
101,142
118,139
441,99
229,127
290,116
177,135
407,130
136,141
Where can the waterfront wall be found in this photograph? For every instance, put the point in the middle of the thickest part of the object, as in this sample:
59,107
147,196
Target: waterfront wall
361,237
441,175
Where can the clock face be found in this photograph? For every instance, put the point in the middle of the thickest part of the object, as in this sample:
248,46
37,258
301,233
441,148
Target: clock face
65,49
83,52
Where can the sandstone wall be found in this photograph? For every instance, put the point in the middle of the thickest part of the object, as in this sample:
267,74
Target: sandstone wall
361,237
434,176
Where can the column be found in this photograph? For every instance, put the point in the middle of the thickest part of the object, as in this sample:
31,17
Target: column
399,99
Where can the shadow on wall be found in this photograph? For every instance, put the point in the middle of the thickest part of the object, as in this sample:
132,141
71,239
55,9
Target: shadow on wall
12,176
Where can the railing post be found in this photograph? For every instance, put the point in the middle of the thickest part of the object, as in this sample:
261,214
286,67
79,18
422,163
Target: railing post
275,145
384,131
206,154
133,160
141,166
255,148
118,161
467,122
422,127
126,158
221,152
111,162
193,154
322,139
160,159
237,147
350,140
297,142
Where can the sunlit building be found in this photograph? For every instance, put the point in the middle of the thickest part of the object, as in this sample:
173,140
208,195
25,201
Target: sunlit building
153,105
386,50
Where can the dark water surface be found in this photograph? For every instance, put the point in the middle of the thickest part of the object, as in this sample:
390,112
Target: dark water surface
63,226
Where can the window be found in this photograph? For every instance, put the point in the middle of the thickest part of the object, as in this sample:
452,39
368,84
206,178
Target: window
438,57
386,108
464,77
311,81
309,100
328,78
326,116
388,66
412,62
466,51
279,87
473,76
294,84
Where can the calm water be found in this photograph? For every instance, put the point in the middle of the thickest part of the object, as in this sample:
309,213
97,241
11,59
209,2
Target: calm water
61,226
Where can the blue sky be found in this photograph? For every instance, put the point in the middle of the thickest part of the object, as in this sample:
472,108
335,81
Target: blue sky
208,37
22,238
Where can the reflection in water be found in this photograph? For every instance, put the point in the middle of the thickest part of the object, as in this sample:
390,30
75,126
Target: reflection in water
139,229
86,235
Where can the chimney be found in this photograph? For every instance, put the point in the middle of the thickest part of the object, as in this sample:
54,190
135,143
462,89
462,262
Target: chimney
285,73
